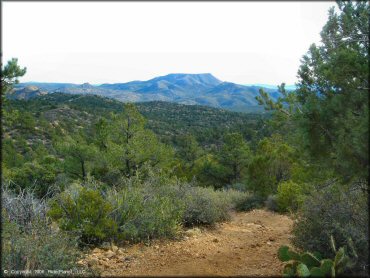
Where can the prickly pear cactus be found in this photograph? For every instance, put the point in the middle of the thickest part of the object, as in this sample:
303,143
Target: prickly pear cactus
311,264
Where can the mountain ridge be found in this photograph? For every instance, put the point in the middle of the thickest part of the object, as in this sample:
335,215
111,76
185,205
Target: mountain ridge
184,88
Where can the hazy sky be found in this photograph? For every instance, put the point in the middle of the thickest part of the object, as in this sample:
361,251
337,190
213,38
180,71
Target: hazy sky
107,42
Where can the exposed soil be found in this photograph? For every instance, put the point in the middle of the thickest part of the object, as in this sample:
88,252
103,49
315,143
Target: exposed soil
247,245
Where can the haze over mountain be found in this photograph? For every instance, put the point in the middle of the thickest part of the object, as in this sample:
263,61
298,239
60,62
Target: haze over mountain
202,89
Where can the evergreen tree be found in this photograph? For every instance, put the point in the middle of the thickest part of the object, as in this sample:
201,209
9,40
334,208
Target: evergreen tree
234,156
329,112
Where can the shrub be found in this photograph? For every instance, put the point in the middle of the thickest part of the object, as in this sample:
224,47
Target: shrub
24,209
84,210
44,248
28,240
31,173
141,214
251,202
235,197
340,211
289,196
204,206
271,203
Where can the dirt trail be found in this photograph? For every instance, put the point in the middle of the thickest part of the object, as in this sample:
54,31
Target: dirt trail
246,245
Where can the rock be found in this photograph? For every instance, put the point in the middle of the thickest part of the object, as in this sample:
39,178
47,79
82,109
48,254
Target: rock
109,254
193,232
92,261
156,247
128,258
80,262
114,248
215,240
97,250
271,239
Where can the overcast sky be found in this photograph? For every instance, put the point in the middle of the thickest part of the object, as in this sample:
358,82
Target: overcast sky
108,42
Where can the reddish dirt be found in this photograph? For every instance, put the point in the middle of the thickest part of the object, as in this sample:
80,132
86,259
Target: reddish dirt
247,245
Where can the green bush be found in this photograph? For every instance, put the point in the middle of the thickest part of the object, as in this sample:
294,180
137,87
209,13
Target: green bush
289,196
32,173
85,211
43,249
204,206
340,211
251,202
141,214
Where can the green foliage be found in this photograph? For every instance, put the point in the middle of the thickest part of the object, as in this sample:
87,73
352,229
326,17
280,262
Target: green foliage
29,242
38,175
311,265
10,74
289,196
142,215
234,157
271,165
250,203
130,145
85,211
78,155
203,206
339,211
209,171
328,114
44,249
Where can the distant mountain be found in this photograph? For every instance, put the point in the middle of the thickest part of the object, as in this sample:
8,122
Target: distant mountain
201,89
274,87
26,93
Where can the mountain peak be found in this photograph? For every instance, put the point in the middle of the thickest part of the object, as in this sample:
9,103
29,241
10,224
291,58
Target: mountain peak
187,79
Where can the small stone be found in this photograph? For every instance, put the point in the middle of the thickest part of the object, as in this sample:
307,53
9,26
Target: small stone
114,248
109,254
97,250
156,247
92,261
215,240
128,258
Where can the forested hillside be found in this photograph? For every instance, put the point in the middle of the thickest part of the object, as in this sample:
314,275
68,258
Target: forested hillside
83,171
168,120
